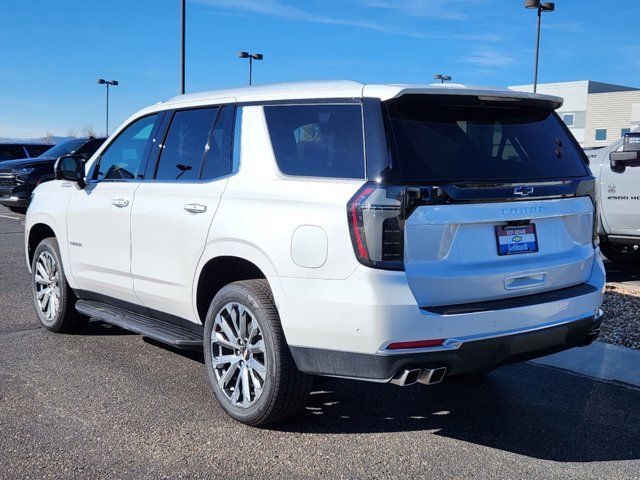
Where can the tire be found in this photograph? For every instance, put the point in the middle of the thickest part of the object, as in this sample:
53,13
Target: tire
21,210
56,309
247,392
621,253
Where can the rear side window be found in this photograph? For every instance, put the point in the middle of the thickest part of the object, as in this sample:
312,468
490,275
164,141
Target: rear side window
217,161
11,152
125,157
37,150
185,144
90,147
317,140
463,139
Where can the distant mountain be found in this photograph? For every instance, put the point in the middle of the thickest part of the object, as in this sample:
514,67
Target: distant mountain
54,139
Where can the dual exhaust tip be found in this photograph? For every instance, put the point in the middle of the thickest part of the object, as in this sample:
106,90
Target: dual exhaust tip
427,376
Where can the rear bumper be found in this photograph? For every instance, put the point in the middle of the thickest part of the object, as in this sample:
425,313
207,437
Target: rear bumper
458,355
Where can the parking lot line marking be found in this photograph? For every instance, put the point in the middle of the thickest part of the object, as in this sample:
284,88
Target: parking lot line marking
12,218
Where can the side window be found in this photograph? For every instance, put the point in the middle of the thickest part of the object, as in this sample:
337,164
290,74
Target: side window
184,146
37,150
11,152
217,161
317,140
90,147
124,158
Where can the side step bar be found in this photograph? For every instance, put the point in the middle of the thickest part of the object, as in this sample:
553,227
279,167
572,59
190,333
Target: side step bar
161,330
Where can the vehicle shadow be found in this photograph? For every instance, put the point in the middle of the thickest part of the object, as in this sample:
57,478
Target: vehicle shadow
622,273
525,409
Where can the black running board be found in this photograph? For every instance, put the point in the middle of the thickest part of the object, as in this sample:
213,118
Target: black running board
161,330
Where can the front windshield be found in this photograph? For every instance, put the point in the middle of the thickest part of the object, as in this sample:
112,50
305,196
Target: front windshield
68,147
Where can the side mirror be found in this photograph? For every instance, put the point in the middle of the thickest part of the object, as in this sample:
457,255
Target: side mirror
71,168
621,160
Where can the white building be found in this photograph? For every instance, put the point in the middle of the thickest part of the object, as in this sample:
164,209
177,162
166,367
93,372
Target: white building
596,113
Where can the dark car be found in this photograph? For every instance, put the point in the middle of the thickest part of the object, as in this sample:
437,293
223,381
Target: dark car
18,178
14,151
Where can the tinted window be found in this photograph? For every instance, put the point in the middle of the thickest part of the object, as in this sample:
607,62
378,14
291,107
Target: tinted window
185,144
463,139
90,147
68,147
601,134
568,119
11,152
217,161
124,157
317,140
624,131
37,150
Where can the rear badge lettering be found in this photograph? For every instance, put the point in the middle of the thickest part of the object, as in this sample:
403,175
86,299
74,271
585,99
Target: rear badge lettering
522,210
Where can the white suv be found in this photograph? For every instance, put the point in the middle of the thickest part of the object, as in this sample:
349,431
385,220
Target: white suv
389,233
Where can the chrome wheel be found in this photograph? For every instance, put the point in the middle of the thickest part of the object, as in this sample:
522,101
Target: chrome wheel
47,284
238,355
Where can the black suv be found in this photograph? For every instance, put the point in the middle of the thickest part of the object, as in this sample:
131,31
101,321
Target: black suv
13,151
18,178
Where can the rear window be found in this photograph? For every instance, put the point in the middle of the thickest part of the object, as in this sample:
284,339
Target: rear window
317,140
463,139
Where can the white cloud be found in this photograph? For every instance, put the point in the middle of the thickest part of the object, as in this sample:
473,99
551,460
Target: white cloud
488,57
446,9
278,9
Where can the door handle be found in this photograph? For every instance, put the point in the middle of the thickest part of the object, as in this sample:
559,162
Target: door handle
525,281
195,208
120,202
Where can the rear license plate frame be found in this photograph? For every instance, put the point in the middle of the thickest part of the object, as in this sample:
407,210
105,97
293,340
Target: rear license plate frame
511,247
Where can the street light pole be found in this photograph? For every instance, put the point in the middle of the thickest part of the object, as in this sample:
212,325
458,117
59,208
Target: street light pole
114,83
540,7
442,78
183,15
251,57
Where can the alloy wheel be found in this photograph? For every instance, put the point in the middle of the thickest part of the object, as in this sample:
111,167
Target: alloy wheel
238,355
47,284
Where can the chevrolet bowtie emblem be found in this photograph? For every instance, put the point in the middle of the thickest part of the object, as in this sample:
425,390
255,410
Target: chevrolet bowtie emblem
523,191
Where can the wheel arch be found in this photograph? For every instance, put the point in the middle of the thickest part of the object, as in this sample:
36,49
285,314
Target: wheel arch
37,233
226,266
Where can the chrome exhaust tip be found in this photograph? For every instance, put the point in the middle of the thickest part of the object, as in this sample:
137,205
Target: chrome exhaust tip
432,376
406,377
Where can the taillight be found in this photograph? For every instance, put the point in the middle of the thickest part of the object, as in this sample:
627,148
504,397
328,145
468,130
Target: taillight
588,188
376,216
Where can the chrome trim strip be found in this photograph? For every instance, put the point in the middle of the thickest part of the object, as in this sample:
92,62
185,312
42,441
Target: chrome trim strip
456,343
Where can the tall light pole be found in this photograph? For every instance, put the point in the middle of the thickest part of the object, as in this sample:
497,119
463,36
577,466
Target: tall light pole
540,7
251,57
113,83
442,78
183,18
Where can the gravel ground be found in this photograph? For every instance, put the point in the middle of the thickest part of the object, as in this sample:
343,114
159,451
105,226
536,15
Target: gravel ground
622,316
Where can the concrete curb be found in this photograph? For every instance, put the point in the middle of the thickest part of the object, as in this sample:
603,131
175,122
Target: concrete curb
599,360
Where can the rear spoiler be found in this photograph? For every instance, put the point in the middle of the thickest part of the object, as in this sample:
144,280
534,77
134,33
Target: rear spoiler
388,92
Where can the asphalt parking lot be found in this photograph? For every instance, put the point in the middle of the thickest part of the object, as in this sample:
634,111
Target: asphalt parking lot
107,403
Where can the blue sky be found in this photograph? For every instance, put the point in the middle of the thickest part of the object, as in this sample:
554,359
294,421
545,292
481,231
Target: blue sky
54,51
